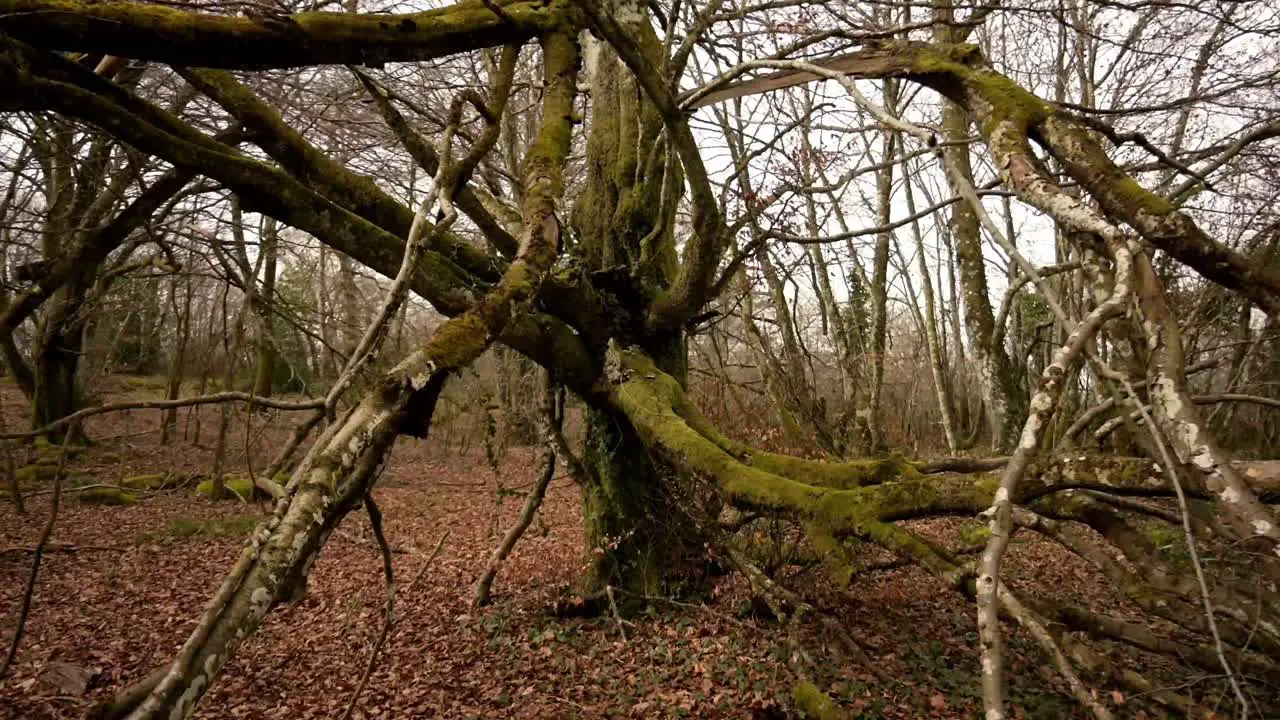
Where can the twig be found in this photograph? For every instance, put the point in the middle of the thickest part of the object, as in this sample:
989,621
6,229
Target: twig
427,563
1128,503
1118,138
25,609
58,548
388,617
1109,426
608,591
82,488
1092,413
222,397
550,422
496,9
1036,628
300,433
1170,471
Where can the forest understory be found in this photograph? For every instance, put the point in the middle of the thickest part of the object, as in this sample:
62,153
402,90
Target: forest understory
875,360
120,585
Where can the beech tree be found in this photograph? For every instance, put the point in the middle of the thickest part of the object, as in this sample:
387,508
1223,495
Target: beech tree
573,215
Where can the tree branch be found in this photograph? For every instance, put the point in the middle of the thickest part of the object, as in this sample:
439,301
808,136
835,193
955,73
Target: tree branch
180,37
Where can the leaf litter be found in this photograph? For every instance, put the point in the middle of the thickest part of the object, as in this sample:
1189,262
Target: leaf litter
126,584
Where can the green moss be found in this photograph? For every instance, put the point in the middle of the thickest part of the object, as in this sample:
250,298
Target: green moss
814,703
832,553
974,533
39,477
240,487
839,475
1007,98
458,340
106,496
154,481
615,505
1163,536
31,474
647,396
184,528
819,473
48,453
1006,109
1132,193
1169,540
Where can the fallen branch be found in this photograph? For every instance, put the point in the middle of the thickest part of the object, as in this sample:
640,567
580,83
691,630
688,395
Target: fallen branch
617,616
388,617
57,548
222,397
427,563
24,608
551,419
1170,470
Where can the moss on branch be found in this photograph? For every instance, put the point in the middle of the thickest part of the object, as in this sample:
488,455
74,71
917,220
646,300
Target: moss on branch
666,420
40,81
650,399
814,703
315,168
181,37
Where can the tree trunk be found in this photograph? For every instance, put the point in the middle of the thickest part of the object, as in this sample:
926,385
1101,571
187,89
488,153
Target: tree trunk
231,338
1005,406
880,283
930,319
177,363
641,526
265,364
57,361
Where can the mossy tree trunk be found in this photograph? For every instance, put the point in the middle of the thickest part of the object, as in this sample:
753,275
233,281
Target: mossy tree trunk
1005,403
642,518
342,465
640,529
658,463
57,389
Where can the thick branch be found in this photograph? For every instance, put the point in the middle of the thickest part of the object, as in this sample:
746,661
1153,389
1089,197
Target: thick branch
43,81
180,37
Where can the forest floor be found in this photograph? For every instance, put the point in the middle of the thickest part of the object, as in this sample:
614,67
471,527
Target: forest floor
122,600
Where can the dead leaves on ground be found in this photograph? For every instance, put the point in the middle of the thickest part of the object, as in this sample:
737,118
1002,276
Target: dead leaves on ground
103,619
